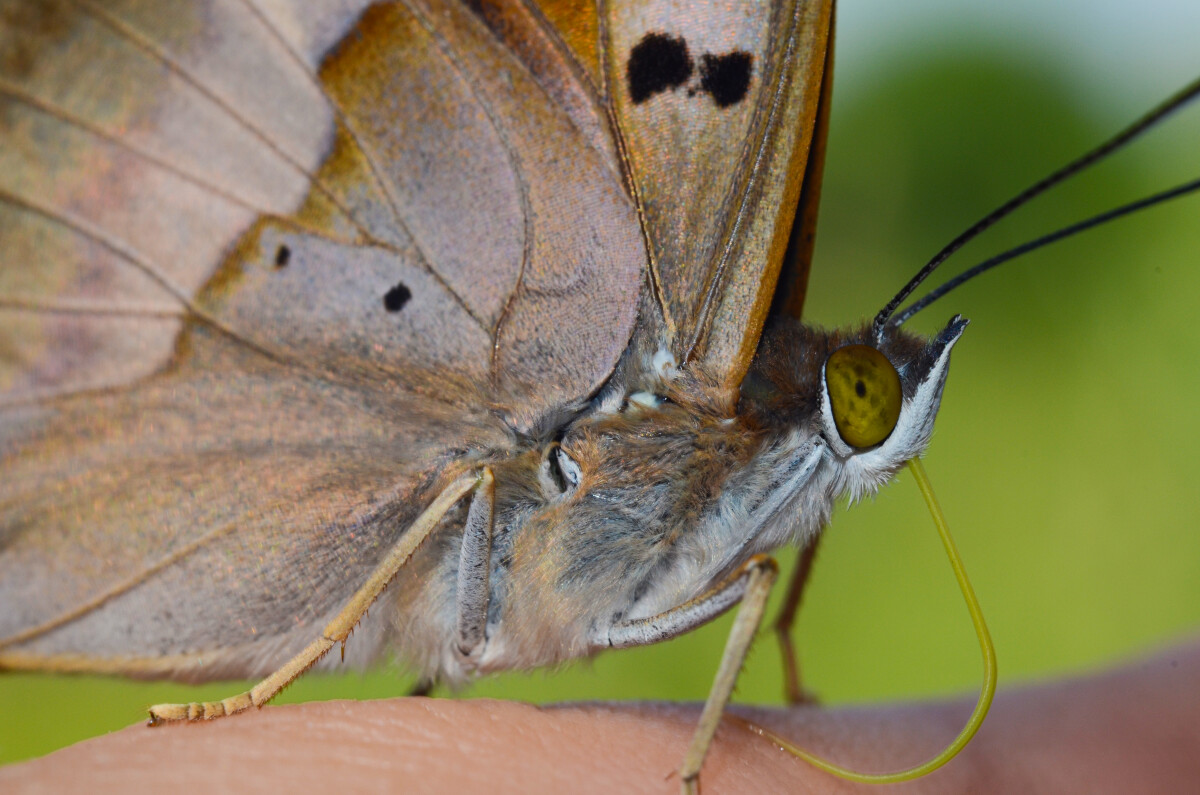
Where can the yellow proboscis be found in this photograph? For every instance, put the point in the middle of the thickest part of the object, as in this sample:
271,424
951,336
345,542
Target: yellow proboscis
986,693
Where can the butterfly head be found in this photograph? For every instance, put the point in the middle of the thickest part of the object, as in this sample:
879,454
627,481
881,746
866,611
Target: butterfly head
871,399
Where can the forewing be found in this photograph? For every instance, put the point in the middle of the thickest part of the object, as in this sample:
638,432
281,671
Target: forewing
453,126
792,286
137,153
715,104
270,273
123,181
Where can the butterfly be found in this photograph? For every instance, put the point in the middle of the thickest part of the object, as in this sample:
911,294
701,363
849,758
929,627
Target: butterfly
401,294
428,303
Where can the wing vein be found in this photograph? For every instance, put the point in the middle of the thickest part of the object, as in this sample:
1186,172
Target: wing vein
161,55
514,164
87,230
369,155
748,194
631,186
61,114
134,259
129,584
67,306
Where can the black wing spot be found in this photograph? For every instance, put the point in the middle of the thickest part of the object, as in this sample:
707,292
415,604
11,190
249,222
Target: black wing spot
860,389
657,63
283,255
726,78
395,298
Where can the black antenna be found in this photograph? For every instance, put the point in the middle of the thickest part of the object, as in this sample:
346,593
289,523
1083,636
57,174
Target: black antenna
1025,248
1099,153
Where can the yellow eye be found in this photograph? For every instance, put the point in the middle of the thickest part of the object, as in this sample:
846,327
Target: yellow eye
864,393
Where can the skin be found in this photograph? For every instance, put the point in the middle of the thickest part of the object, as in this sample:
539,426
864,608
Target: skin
1135,728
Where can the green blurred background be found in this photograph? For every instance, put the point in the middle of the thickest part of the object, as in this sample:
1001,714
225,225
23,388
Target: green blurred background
1065,452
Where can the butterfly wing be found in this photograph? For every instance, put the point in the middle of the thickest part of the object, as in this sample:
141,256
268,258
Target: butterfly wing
716,104
272,273
792,287
208,522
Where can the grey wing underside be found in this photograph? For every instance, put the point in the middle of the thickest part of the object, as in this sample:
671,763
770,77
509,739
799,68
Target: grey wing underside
270,275
211,520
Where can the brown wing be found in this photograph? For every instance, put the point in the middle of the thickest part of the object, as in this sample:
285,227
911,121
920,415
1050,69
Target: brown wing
716,104
792,286
268,273
210,520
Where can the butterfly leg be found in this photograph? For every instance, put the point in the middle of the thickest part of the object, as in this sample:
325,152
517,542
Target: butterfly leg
474,567
339,628
751,584
423,687
784,622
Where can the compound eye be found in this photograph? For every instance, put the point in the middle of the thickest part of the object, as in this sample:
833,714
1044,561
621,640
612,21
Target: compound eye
864,393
